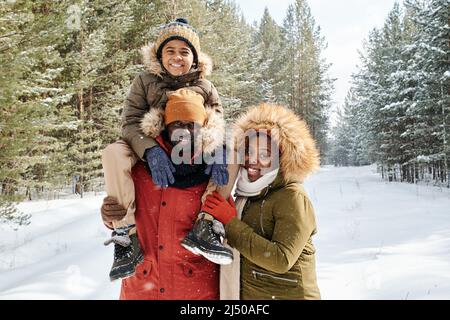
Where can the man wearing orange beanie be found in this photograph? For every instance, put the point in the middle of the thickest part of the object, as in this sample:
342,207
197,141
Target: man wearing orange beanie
165,215
184,117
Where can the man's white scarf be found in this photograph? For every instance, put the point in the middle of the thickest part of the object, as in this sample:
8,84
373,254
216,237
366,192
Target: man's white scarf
230,275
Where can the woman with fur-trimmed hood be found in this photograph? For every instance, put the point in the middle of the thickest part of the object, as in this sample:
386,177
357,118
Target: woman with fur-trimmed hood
271,225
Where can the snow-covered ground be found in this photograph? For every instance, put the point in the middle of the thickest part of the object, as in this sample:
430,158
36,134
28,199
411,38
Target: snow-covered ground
380,240
60,255
376,240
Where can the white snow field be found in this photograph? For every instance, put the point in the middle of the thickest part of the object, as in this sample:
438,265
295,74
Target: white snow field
376,240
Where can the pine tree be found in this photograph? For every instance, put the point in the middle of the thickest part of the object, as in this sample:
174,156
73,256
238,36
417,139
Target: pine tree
11,215
401,93
29,95
306,83
267,47
431,51
98,76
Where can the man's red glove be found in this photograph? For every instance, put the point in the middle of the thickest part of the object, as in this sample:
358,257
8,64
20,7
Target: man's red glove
220,208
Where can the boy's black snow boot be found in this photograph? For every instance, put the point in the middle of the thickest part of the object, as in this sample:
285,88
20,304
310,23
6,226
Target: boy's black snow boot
205,239
127,253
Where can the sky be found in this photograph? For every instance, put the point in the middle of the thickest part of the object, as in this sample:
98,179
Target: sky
344,23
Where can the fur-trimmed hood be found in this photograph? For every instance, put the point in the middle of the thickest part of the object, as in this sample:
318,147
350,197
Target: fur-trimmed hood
210,136
298,153
153,66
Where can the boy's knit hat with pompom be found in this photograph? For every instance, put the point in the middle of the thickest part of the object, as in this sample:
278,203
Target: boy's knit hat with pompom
179,29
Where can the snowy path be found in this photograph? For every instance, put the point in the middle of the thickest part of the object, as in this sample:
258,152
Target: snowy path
380,240
376,240
60,255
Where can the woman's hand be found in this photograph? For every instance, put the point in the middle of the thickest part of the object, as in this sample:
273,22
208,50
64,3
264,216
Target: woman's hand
219,208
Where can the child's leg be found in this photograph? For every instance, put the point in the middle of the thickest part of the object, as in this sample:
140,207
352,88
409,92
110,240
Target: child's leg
205,236
224,191
118,158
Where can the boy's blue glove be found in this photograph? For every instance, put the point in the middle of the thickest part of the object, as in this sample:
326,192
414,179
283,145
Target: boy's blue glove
219,171
161,168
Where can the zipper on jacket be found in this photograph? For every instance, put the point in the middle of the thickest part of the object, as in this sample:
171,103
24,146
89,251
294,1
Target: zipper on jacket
257,273
261,210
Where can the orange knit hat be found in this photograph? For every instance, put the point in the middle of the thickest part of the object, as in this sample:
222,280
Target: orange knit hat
185,105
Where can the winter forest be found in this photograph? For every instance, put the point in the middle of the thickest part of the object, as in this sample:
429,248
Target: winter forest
397,113
66,67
